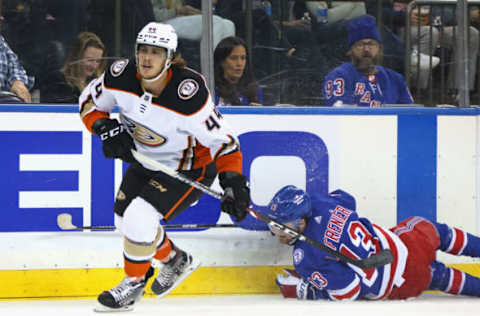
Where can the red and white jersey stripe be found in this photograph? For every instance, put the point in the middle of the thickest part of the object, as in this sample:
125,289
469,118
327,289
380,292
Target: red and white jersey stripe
392,272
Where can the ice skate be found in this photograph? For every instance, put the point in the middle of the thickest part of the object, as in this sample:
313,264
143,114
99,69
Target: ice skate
122,297
172,273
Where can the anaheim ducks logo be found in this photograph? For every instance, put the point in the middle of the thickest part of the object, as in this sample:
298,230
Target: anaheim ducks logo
148,137
143,134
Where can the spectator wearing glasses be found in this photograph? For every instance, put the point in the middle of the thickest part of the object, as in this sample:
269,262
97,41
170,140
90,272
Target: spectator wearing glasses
362,82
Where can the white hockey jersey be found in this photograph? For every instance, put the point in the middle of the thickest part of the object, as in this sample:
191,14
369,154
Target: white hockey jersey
180,128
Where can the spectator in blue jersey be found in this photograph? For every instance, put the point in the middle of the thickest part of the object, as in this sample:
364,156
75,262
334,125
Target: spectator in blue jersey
332,220
235,82
13,77
362,82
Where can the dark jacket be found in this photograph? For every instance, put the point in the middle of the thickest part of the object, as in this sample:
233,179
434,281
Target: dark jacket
57,90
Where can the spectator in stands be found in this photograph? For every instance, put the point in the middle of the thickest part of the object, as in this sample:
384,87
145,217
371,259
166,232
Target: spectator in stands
393,30
475,16
340,11
85,61
424,39
61,20
331,28
46,23
13,77
264,31
235,82
267,39
295,22
362,82
426,20
331,31
444,18
296,58
187,20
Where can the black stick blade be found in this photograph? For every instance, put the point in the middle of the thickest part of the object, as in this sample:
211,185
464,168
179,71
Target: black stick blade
382,258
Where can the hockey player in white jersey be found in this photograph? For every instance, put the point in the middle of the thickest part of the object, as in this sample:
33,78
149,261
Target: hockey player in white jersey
167,114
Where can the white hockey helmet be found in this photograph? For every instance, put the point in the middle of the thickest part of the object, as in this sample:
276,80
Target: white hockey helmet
160,35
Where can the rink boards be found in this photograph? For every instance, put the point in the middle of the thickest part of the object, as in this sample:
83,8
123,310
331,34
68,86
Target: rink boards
397,162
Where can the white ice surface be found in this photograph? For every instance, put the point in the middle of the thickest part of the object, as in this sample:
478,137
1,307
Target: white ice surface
253,305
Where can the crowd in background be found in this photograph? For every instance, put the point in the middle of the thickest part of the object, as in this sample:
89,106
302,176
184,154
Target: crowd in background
52,48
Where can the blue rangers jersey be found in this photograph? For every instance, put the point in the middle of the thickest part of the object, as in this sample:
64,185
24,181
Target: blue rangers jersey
341,229
346,85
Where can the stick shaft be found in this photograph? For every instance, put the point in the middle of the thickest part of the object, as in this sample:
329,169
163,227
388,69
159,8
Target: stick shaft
174,174
185,226
64,221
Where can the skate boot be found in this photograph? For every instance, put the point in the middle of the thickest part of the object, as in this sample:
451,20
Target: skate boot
172,273
122,297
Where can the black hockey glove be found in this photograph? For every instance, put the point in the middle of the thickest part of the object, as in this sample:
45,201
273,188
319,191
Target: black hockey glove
116,142
237,194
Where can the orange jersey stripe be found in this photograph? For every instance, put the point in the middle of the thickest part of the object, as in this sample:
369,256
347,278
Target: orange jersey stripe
195,157
230,162
202,156
92,117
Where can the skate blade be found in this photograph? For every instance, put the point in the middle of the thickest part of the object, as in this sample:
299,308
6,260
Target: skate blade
99,308
191,268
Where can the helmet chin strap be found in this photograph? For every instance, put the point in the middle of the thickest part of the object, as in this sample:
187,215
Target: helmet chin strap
165,68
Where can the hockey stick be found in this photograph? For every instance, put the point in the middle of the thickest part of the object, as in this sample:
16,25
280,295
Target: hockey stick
64,221
380,259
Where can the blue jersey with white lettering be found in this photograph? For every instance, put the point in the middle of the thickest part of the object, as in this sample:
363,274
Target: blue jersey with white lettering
347,85
336,224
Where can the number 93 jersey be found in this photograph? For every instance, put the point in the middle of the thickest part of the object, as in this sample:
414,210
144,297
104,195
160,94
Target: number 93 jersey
180,128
